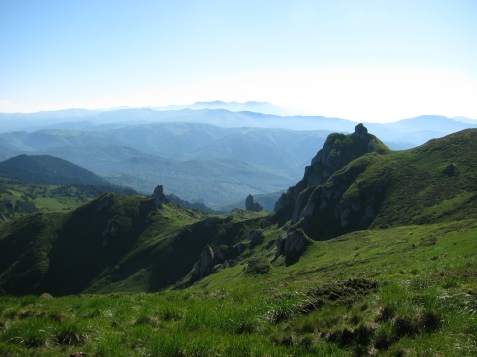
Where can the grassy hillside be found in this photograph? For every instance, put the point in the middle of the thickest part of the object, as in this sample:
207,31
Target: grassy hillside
389,270
113,243
18,198
45,169
406,291
432,183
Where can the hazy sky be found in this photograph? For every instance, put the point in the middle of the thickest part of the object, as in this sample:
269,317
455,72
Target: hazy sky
362,60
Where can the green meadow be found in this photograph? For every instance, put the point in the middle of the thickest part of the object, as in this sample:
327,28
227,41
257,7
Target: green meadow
406,291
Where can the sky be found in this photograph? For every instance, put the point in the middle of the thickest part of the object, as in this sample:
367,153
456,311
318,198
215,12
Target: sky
363,60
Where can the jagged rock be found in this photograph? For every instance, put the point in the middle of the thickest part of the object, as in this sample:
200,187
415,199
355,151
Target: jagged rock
361,131
207,261
250,205
265,223
279,242
226,264
211,221
255,237
231,263
239,248
159,195
270,243
448,170
324,185
104,202
108,233
222,252
296,242
282,202
197,269
156,204
217,268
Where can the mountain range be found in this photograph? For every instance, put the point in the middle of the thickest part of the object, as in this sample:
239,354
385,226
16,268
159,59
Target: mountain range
188,153
354,182
370,251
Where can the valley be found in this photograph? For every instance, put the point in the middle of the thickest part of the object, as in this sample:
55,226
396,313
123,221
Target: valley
368,252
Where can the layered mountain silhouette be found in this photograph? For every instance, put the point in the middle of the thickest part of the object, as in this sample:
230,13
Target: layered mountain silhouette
124,243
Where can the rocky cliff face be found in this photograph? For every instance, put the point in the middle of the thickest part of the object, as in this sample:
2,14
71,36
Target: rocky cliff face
337,152
318,196
250,205
160,196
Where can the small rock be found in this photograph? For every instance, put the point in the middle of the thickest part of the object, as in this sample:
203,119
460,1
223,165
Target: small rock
239,248
255,237
448,170
217,268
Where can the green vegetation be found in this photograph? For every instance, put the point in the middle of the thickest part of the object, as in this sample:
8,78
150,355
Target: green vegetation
129,275
18,199
406,291
45,169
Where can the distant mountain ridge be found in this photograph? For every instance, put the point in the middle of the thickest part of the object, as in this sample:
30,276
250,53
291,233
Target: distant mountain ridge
402,134
45,169
136,243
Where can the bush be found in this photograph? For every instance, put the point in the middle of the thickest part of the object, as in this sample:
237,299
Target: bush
258,265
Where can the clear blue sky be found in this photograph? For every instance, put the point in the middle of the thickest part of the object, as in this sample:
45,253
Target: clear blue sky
367,60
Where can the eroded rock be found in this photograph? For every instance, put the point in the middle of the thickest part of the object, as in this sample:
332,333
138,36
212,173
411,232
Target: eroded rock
250,205
206,261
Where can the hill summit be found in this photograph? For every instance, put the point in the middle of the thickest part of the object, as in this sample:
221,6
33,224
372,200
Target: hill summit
49,170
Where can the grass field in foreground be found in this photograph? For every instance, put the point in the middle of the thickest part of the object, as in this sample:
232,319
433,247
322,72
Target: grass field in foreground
407,291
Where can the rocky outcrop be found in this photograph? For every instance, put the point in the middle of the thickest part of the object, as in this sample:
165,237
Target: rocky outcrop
448,170
255,237
108,234
104,201
239,248
294,243
337,152
159,195
250,205
207,260
214,262
279,241
327,179
265,223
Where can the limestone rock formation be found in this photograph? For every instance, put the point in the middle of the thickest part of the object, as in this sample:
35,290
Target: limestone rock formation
279,242
294,243
337,152
159,194
239,248
318,198
250,205
207,261
255,237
